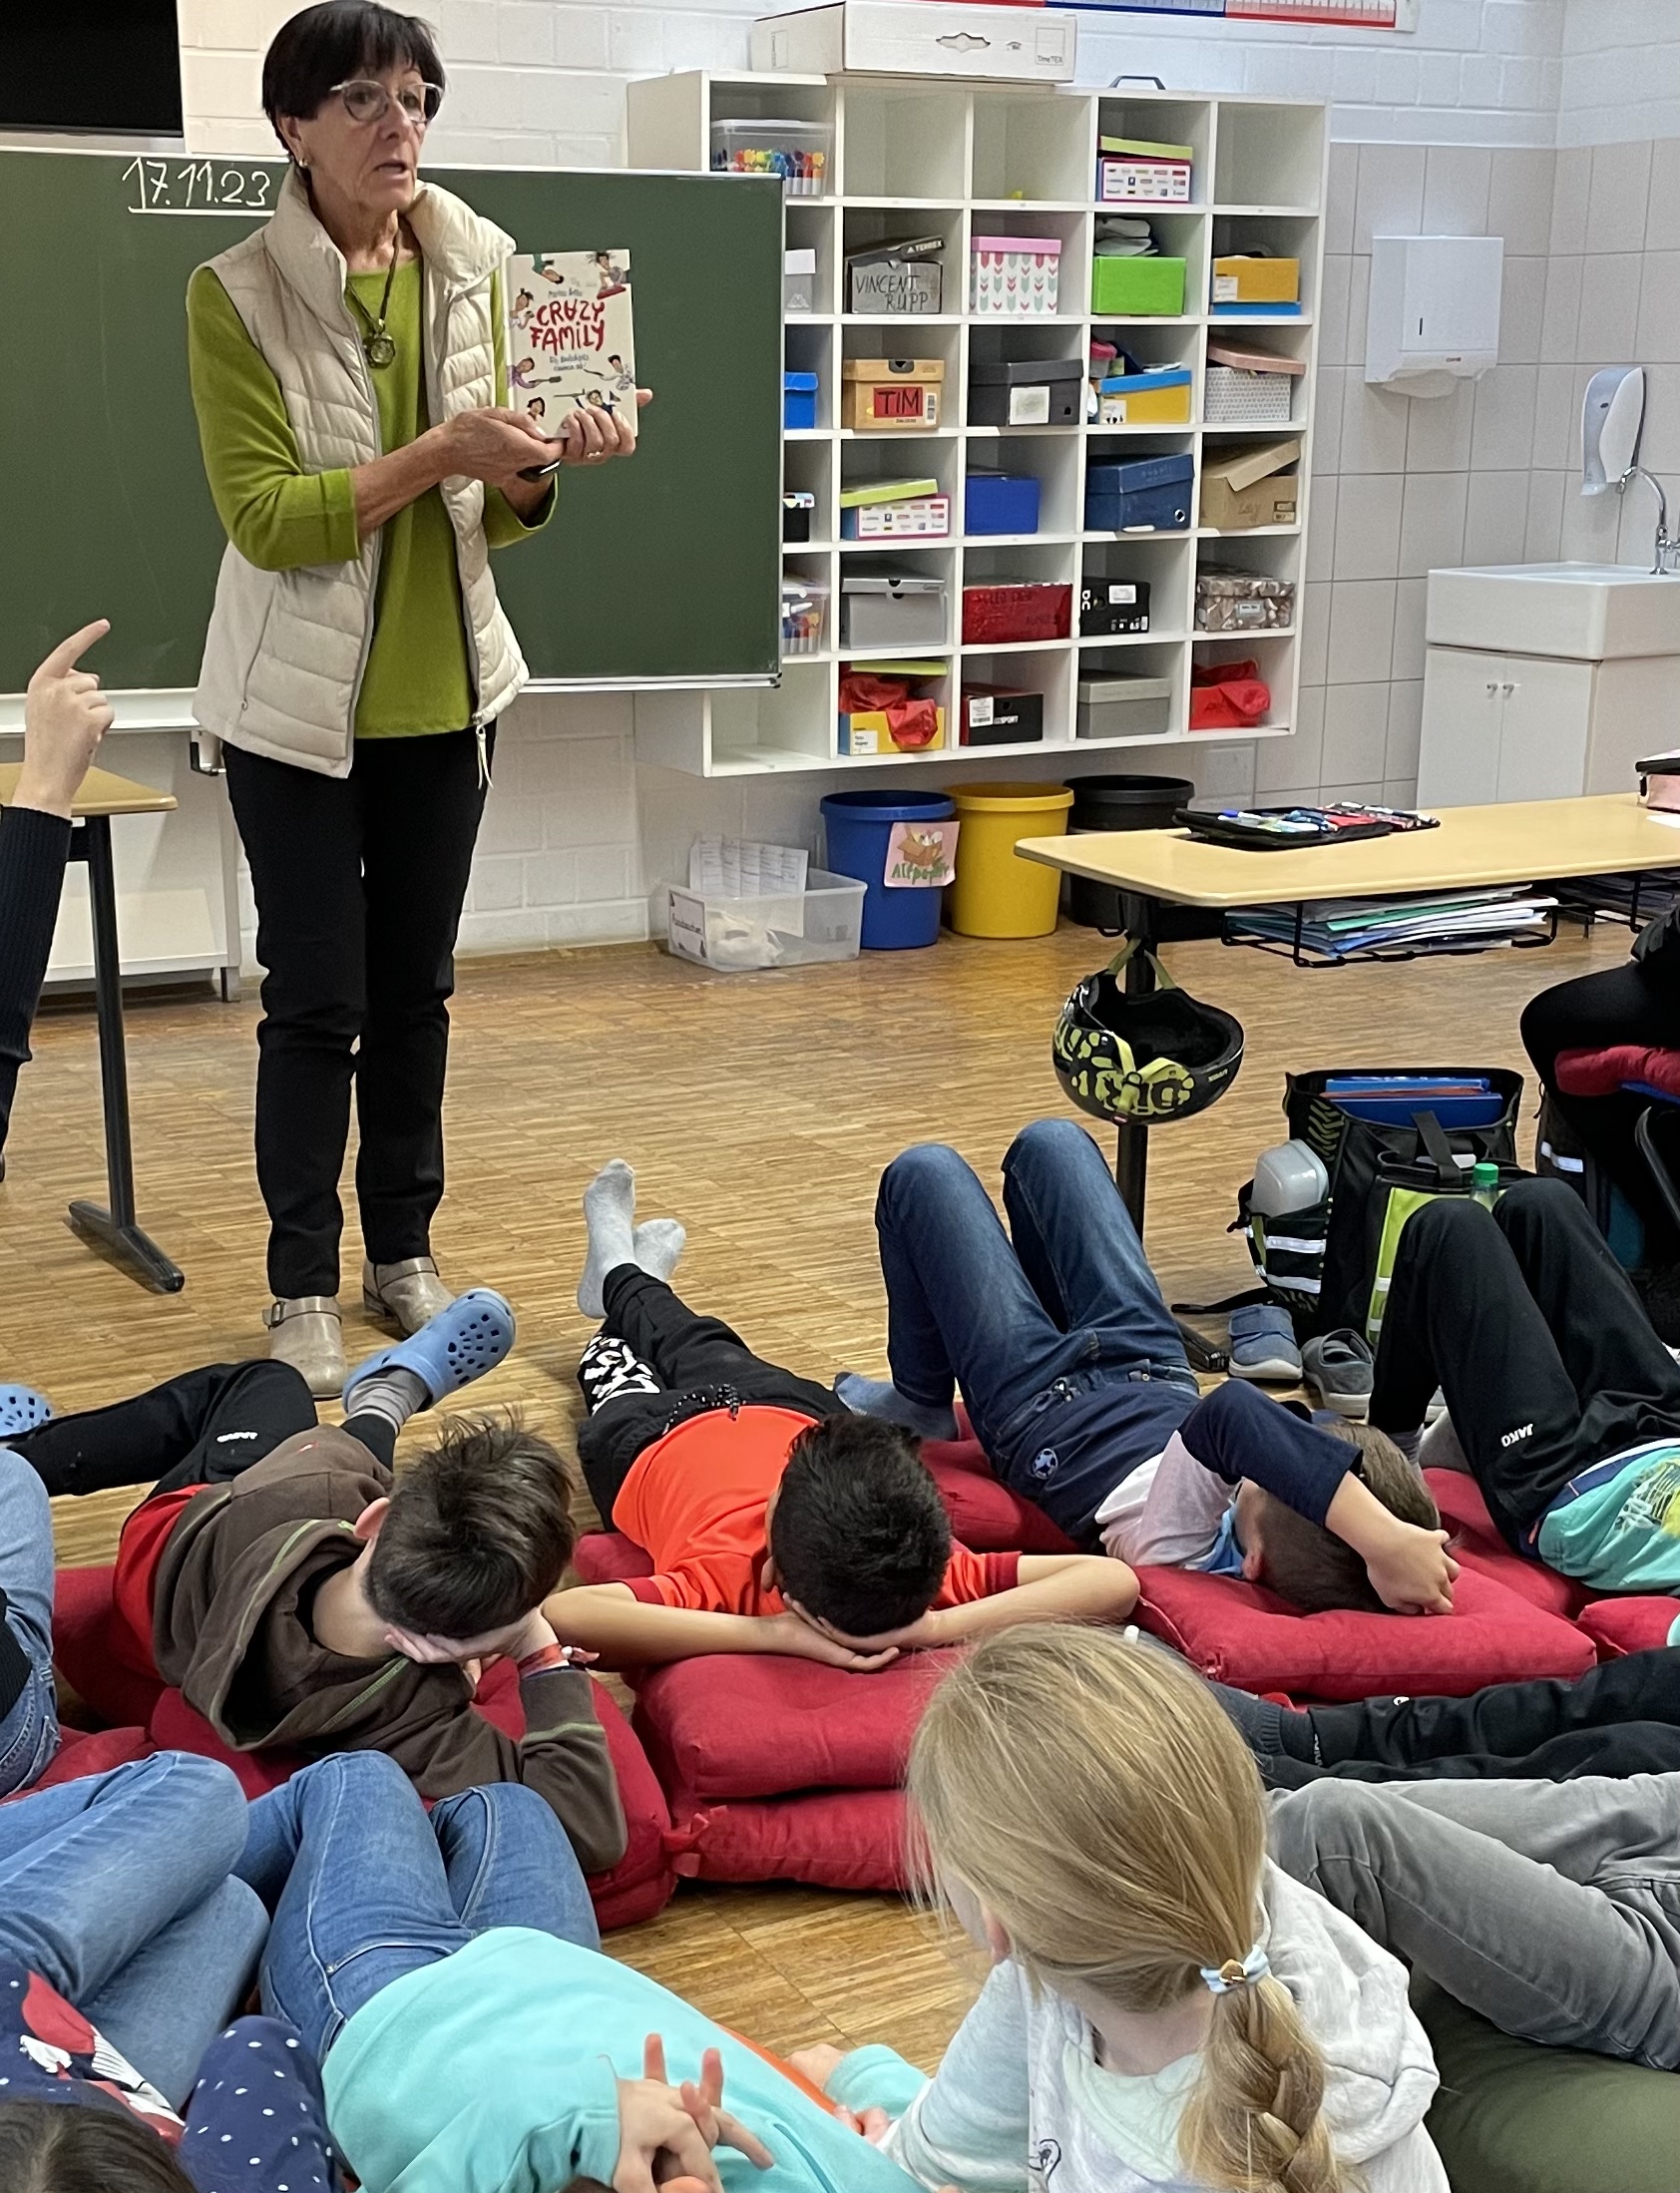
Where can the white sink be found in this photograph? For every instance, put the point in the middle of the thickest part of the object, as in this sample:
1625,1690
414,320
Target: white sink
1593,612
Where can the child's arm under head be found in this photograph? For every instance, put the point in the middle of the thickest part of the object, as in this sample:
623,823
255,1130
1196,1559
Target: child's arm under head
1050,1588
631,1632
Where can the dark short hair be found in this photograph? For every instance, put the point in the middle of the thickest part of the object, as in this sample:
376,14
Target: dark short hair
859,1536
55,2147
479,1531
1312,1568
329,44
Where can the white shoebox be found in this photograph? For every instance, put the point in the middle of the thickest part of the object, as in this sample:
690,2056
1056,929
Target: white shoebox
921,38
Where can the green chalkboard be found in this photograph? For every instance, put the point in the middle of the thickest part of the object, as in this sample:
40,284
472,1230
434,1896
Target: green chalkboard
663,568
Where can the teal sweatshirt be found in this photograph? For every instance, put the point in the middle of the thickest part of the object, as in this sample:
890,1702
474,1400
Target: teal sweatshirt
495,2070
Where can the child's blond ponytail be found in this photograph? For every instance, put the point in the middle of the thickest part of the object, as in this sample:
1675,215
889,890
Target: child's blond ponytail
1094,1798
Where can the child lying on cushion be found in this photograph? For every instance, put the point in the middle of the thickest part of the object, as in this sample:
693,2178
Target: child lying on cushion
1165,2007
447,1974
1564,1401
776,1521
1077,1386
298,1595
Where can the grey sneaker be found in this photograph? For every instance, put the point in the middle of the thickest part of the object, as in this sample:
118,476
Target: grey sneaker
1338,1368
1263,1345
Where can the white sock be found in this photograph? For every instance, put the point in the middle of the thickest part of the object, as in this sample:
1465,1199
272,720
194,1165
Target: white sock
609,1214
658,1247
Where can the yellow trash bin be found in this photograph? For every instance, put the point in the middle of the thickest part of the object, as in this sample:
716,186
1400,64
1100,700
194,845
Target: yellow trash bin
994,894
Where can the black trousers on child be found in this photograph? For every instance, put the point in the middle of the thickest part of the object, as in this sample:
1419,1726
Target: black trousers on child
359,882
1617,1719
1623,1004
1537,1339
696,1364
203,1428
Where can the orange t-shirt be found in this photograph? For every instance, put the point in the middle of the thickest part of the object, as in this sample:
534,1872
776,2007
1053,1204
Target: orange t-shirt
694,1501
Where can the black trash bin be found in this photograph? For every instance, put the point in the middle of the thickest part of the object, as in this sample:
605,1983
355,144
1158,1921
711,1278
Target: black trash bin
1130,803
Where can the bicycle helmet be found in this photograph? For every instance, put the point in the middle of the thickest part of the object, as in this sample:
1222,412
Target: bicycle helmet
1141,1060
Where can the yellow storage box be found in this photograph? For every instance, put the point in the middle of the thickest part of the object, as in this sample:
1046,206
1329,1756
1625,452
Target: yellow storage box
1240,280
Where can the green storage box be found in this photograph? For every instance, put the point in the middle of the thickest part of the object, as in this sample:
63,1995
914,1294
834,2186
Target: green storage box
1151,287
1511,2117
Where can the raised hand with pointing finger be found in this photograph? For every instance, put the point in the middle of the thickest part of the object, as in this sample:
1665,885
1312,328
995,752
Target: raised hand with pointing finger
65,717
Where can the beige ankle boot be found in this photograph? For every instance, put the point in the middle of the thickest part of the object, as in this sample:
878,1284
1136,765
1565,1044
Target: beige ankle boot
307,1331
408,1293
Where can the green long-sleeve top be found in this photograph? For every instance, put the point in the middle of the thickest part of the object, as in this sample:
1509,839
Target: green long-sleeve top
418,677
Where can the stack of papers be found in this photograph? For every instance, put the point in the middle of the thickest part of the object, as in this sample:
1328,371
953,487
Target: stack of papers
1452,921
735,868
1119,236
1615,896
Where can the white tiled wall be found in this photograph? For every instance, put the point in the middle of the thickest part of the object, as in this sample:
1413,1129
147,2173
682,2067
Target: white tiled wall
1451,129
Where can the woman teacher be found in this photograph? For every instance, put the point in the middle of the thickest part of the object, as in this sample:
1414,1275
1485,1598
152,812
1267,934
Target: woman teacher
350,373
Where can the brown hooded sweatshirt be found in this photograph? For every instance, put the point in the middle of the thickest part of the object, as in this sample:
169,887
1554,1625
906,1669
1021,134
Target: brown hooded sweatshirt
226,1629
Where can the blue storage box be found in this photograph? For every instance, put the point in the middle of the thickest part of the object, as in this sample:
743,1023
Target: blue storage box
1143,494
799,401
1001,501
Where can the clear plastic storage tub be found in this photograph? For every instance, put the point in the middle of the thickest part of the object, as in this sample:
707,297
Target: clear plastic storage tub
796,929
798,151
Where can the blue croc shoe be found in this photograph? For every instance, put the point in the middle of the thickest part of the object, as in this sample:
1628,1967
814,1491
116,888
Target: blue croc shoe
1263,1345
449,1351
21,1410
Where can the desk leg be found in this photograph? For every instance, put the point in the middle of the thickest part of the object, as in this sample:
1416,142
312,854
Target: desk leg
115,1231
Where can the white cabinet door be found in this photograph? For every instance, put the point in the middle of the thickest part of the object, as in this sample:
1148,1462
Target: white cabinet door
1547,709
1458,756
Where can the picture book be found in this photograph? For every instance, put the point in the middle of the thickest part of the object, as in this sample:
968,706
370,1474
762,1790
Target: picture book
571,342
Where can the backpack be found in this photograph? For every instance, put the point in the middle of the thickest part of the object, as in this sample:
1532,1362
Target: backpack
1559,1154
1331,1265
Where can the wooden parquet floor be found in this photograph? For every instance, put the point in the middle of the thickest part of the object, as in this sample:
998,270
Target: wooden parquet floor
757,1109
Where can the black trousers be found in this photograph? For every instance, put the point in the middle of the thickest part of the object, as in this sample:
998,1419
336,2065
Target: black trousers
700,1363
1623,1004
201,1428
1620,1719
359,884
1537,1339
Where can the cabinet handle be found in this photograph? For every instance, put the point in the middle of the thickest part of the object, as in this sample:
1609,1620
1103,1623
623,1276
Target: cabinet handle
1507,690
1492,687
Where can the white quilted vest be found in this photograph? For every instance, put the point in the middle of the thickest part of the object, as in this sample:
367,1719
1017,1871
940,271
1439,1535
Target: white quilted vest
286,650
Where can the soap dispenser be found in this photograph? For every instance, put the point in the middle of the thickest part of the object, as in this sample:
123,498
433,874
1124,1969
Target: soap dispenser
1611,419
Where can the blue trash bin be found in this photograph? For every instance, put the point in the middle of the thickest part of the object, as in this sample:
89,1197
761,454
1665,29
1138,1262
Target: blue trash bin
858,825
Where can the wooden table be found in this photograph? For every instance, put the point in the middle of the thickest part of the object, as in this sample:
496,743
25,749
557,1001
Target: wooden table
115,1231
1524,842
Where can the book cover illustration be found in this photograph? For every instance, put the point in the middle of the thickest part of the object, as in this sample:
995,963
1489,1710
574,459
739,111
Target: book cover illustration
570,341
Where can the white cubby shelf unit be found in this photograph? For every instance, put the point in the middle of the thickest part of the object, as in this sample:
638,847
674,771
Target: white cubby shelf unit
912,157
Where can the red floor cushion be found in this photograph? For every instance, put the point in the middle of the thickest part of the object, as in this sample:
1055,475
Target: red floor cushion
1476,1544
827,1839
1618,1626
639,1886
1243,1634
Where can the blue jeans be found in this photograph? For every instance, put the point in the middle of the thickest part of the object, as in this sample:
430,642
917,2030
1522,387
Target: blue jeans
1067,1354
29,1732
115,1891
364,1887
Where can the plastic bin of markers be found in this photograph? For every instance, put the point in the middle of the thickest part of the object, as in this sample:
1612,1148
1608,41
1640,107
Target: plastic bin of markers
798,151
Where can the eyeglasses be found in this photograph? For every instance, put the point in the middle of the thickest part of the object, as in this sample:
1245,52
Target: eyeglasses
366,101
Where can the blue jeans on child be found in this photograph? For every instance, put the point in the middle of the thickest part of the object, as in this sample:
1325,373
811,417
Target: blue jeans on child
1068,1357
364,1887
115,1891
28,1731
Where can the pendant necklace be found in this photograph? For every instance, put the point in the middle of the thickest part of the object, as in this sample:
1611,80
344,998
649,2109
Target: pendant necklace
381,348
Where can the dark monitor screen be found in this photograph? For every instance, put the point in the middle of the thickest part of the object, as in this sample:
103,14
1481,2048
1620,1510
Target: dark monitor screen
89,65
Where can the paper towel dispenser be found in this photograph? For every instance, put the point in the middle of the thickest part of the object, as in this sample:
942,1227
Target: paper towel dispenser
1434,311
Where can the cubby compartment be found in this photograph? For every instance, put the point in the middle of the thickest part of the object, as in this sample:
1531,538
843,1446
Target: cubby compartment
808,469
784,727
866,228
863,743
1024,151
1241,398
1046,674
1051,458
1157,561
1162,348
1156,122
1026,226
893,339
995,344
1273,655
904,142
809,227
1266,237
1272,555
871,460
1177,236
811,350
1137,714
1269,155
871,630
1124,446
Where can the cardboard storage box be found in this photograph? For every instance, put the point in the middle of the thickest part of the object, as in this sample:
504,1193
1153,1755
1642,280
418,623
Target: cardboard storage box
799,402
879,395
898,38
1002,715
896,612
1228,600
1247,387
1124,708
1144,495
1146,288
1015,277
1239,279
1159,397
893,278
1026,392
912,517
1005,612
1109,605
870,731
1136,171
1251,487
1001,501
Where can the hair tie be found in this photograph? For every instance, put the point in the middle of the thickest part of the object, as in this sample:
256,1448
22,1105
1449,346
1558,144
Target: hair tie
1224,1979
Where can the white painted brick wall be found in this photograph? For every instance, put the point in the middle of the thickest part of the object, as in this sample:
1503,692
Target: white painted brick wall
1451,129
